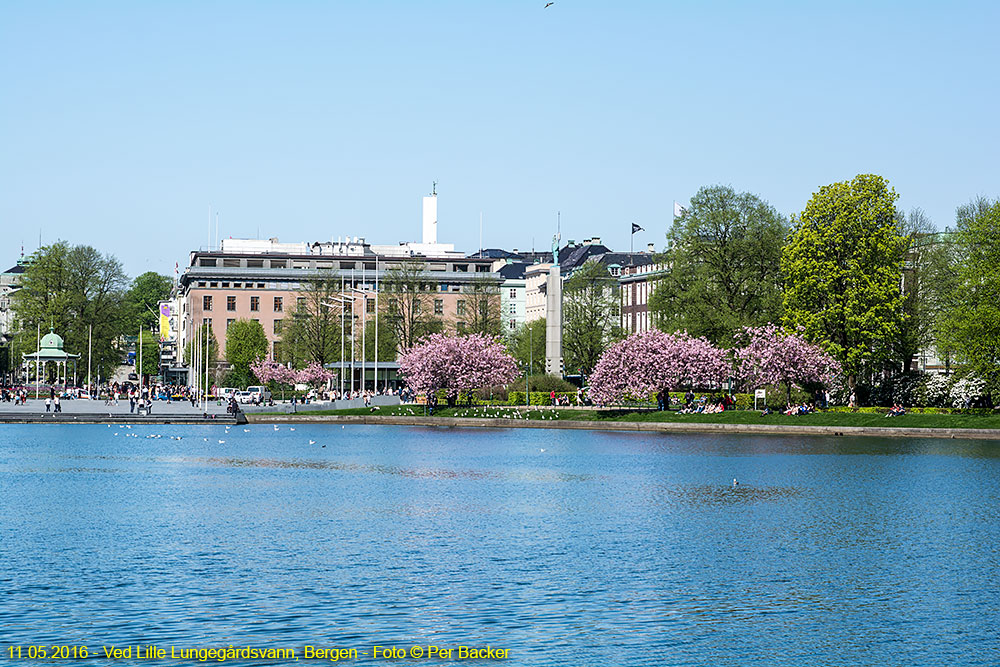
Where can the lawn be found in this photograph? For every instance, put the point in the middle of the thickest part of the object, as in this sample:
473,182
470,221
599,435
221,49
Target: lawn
730,417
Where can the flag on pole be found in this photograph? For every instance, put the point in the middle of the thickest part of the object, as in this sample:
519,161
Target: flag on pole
636,228
679,210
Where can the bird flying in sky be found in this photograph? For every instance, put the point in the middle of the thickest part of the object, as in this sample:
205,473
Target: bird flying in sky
548,5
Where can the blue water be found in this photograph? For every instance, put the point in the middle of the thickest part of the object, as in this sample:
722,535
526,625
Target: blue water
604,549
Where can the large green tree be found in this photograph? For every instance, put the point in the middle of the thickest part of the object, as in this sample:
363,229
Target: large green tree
142,300
591,316
928,280
527,346
76,291
973,318
842,268
722,266
246,343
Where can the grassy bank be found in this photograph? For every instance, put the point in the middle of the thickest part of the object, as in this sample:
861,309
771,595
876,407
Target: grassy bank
948,421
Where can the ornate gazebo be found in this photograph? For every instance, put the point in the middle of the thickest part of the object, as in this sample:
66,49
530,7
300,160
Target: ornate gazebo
50,350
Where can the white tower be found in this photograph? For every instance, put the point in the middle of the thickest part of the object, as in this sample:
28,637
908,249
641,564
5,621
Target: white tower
431,216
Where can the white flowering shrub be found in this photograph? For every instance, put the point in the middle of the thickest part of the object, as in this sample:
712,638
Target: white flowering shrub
966,391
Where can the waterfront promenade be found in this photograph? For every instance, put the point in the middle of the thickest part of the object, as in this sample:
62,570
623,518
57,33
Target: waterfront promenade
88,411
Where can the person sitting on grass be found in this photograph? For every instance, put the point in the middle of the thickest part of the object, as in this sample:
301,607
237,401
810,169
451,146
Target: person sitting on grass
766,411
791,409
897,411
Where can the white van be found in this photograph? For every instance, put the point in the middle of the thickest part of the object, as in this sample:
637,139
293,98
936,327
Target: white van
260,393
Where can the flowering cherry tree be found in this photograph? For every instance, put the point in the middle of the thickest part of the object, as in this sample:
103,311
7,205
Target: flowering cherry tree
272,371
772,356
456,363
313,374
650,361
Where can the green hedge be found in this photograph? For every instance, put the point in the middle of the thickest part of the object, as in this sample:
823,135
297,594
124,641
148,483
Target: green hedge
984,412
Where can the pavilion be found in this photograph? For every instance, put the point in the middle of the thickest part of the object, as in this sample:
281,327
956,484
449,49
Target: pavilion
51,350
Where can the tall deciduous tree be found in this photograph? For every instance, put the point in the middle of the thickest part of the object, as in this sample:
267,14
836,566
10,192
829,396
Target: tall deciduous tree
482,297
842,269
142,300
312,331
973,319
406,289
75,290
591,316
722,264
246,342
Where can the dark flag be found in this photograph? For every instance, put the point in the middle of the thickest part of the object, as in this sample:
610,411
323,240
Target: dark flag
636,228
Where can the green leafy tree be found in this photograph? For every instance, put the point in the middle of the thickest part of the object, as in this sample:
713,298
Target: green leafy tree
77,291
246,343
143,298
591,316
928,279
722,263
312,332
387,344
842,268
973,317
527,346
150,344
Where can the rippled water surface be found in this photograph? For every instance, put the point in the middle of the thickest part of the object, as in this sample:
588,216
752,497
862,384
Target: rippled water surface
565,547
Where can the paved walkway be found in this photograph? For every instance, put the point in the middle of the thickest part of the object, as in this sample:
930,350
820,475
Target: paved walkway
85,406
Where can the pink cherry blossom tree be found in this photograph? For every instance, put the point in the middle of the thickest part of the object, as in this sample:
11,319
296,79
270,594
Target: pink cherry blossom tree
271,371
650,361
313,374
771,356
456,364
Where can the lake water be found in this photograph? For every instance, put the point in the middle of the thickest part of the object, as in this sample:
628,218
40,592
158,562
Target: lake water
603,549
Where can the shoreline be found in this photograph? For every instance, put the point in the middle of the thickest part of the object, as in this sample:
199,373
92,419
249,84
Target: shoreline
649,427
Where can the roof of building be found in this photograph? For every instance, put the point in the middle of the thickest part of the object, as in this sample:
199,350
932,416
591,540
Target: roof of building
513,271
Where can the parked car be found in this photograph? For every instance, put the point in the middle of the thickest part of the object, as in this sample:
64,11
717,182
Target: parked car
260,393
226,393
244,397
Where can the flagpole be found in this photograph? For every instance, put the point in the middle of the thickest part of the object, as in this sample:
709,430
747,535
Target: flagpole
376,324
90,347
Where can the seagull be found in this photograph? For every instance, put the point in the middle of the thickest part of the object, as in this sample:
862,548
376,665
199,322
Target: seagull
548,5
246,430
735,483
312,442
222,442
541,450
291,429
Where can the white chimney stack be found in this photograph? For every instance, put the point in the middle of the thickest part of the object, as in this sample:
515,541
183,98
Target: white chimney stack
431,218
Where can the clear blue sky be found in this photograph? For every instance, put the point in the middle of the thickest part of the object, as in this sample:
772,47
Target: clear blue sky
122,122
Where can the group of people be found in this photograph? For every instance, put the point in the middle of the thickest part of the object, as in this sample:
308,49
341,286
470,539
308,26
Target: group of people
704,405
897,410
800,409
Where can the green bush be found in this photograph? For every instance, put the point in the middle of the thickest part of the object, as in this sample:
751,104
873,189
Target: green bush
539,397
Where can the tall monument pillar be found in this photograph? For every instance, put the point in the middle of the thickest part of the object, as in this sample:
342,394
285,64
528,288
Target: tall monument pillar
430,218
553,316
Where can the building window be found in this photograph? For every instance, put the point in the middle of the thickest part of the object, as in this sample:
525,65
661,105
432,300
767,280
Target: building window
370,305
513,325
206,303
513,294
276,354
438,307
277,327
460,327
513,309
300,303
255,303
460,308
277,304
230,303
229,323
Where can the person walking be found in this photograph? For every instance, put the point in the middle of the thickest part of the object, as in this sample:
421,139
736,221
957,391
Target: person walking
48,404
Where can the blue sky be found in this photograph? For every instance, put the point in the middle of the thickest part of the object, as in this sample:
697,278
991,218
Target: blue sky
122,122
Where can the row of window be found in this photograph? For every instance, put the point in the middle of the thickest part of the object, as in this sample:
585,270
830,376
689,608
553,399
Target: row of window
278,303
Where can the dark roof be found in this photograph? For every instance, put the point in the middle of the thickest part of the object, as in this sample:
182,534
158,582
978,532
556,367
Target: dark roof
493,253
17,268
514,270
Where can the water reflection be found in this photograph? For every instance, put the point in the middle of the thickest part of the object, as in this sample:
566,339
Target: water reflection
728,495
